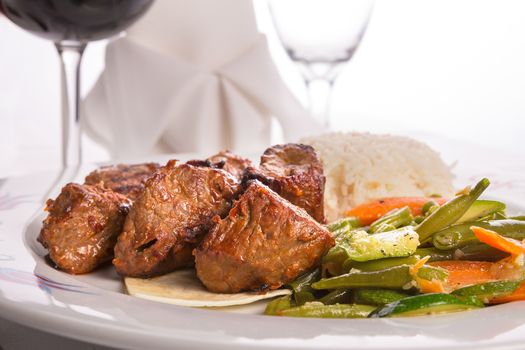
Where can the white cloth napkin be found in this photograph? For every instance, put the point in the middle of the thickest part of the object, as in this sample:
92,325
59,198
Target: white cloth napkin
192,76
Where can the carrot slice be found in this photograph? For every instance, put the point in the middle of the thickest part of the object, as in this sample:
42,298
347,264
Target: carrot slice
418,265
425,286
433,286
371,211
463,272
497,241
518,294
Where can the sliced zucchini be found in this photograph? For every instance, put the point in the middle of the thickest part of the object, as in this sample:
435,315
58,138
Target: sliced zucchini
378,297
426,304
360,246
317,309
489,290
480,209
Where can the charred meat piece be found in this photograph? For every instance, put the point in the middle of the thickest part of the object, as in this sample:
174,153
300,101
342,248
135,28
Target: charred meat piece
231,163
264,243
170,218
226,161
82,227
125,179
295,172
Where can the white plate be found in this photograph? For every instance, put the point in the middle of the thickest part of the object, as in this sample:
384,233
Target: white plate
94,308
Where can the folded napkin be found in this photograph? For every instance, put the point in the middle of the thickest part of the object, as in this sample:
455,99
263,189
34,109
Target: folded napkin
191,76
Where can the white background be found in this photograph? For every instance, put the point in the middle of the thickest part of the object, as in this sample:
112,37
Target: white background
444,67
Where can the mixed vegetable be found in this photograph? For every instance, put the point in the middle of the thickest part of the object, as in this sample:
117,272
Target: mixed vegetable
414,256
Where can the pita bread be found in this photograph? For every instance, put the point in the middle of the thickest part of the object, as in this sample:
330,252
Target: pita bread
183,288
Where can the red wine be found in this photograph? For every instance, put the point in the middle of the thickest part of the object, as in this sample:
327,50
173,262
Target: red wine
76,20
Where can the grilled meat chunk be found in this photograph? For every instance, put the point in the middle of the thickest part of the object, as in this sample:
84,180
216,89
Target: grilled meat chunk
82,227
170,218
125,179
295,172
264,243
226,161
231,163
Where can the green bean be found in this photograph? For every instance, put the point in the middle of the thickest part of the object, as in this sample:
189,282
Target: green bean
302,289
427,207
343,225
392,220
378,297
320,310
303,297
473,251
419,219
380,264
449,212
338,296
457,236
392,278
277,305
499,215
304,281
435,254
478,251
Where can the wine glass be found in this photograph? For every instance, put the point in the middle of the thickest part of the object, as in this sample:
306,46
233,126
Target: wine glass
71,24
320,36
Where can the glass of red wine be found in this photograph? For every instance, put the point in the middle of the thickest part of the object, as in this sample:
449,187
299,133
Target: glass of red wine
71,24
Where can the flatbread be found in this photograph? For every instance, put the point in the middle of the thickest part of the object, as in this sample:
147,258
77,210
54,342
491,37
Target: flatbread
183,288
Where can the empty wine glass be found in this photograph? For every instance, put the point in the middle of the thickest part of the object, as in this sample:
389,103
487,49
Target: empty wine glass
320,36
71,24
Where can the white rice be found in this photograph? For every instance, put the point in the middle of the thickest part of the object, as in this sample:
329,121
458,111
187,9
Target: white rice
361,166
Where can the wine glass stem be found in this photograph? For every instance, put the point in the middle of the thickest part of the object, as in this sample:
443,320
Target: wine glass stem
71,56
319,95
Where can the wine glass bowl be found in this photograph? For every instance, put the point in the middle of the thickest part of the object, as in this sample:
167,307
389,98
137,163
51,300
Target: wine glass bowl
320,36
71,24
82,21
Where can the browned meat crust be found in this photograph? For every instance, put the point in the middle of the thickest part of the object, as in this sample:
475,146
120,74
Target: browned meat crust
295,172
226,161
170,218
264,243
82,227
123,178
231,163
